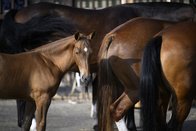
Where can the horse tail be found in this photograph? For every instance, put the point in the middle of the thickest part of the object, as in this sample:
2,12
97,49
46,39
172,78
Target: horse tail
44,29
108,87
8,35
151,74
35,32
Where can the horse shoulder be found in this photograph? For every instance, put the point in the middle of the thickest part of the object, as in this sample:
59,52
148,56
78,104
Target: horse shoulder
46,73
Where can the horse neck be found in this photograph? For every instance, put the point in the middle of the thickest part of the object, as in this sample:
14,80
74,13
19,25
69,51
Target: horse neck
60,53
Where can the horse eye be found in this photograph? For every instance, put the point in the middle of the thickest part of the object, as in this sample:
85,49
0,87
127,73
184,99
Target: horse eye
77,50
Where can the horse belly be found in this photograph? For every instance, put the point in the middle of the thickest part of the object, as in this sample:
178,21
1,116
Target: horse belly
11,90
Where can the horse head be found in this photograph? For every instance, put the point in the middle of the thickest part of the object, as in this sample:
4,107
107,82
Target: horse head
82,50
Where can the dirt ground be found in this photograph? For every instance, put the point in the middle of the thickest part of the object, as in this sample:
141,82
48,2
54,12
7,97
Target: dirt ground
69,113
66,115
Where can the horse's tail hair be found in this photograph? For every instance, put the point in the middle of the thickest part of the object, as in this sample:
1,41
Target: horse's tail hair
8,33
108,90
44,29
35,32
151,74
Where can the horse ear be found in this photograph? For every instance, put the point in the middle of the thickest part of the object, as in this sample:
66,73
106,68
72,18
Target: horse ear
77,36
91,35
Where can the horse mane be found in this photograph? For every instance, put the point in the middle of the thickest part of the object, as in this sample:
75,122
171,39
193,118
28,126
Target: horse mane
35,32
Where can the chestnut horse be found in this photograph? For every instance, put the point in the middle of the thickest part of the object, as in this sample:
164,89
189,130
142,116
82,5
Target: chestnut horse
85,20
35,75
119,67
168,66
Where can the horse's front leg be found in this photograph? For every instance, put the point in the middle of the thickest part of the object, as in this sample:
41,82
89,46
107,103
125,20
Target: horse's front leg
28,115
42,105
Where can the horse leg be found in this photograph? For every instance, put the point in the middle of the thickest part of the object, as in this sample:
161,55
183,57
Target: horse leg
42,105
183,92
28,115
130,81
20,111
164,98
121,125
127,122
94,102
180,111
130,120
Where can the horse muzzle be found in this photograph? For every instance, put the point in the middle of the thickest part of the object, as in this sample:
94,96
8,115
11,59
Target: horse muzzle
86,78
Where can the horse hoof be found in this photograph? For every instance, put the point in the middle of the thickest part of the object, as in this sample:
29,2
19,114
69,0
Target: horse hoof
132,129
95,127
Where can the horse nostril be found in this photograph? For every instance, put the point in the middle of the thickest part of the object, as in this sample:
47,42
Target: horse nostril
86,79
83,78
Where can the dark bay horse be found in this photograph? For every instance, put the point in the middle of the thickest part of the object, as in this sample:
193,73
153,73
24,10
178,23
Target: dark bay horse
119,68
35,75
168,66
86,21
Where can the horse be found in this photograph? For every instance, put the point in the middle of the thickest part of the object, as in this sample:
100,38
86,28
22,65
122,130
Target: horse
168,66
119,68
12,39
35,75
85,20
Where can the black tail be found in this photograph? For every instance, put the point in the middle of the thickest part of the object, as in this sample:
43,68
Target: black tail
8,35
42,30
151,74
35,32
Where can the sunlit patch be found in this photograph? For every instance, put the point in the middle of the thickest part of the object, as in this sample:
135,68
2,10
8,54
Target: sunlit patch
85,49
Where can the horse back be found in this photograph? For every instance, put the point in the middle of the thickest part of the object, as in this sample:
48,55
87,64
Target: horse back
132,36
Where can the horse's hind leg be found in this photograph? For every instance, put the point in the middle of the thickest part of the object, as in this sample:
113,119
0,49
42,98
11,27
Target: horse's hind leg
130,120
183,91
162,110
130,81
180,111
